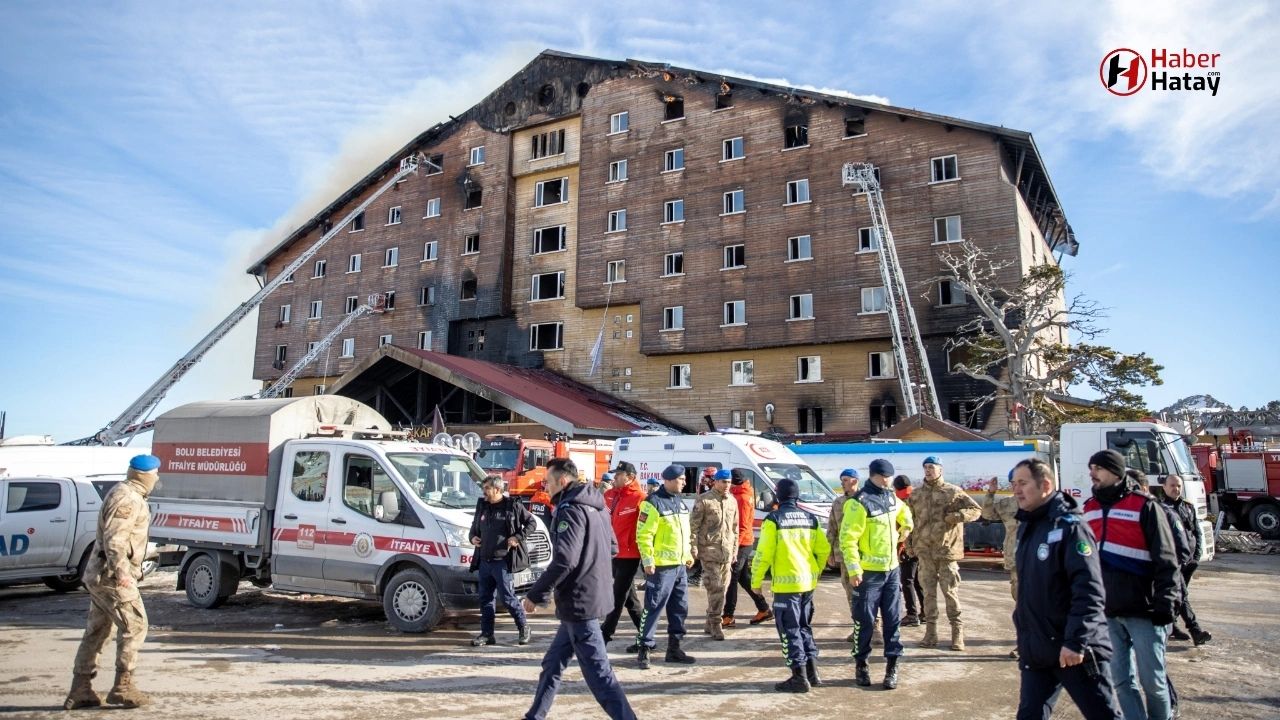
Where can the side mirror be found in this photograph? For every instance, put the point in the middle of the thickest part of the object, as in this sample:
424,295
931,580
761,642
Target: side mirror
388,508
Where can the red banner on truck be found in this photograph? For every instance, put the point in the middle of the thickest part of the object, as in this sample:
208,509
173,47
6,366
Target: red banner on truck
212,458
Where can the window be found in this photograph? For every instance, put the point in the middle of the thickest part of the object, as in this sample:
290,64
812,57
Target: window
353,302
732,149
743,372
364,481
353,263
616,271
551,192
282,354
853,127
735,256
321,267
468,290
435,165
357,223
286,312
312,345
799,248
809,420
673,107
618,123
681,377
391,258
424,339
547,286
433,208
673,264
389,300
393,216
946,229
673,211
735,312
319,389
873,300
314,312
797,192
471,244
617,220
796,136
809,368
943,169
673,160
477,155
33,496
673,318
427,295
546,336
724,100
950,293
745,419
868,239
880,365
289,279
549,239
883,417
734,202
963,412
801,307
617,171
348,347
384,340
429,250
548,143
475,198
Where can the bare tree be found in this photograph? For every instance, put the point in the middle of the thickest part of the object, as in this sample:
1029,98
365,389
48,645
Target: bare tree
1022,344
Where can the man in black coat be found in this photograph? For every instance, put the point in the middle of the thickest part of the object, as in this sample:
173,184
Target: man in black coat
581,577
499,529
1186,514
1063,640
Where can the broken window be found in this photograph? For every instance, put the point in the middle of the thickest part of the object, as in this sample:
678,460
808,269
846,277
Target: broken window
429,250
548,239
321,267
384,340
617,171
809,420
674,107
435,165
282,354
855,126
393,216
724,101
357,223
353,263
546,336
963,412
883,417
475,197
551,192
547,286
427,295
471,244
950,293
673,264
548,143
352,303
880,365
616,271
389,300
314,312
391,258
868,239
424,339
809,368
796,136
468,289
681,376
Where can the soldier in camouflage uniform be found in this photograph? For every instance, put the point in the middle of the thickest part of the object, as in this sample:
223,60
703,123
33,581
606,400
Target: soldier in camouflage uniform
111,577
848,483
713,525
1003,510
940,511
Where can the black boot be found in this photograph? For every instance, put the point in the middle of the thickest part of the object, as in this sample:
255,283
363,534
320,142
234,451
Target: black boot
891,674
675,654
643,657
1178,634
1200,637
811,672
797,683
862,674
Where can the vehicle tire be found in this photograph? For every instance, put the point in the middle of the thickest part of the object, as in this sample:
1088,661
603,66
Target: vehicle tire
205,583
1265,520
411,602
71,581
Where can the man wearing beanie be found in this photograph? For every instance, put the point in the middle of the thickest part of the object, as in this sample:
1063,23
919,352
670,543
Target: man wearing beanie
912,593
713,525
111,577
874,525
849,484
940,511
740,489
1139,571
662,536
793,549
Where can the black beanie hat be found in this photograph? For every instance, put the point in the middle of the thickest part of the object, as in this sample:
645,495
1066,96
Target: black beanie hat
1109,460
737,477
787,490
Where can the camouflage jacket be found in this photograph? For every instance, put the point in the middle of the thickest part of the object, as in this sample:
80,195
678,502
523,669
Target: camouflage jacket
833,526
940,512
1003,510
713,525
121,541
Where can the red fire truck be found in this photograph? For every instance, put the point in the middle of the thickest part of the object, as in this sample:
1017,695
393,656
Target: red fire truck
1243,481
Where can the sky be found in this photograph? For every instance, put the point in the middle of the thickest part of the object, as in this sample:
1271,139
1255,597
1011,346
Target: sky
150,152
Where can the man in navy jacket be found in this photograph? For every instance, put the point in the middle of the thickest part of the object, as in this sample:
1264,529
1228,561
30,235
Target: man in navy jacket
1063,640
581,578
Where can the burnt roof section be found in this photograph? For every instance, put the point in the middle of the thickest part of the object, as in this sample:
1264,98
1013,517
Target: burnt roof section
571,76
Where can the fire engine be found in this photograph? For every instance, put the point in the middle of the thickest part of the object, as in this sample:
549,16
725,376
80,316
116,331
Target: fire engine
1244,482
522,462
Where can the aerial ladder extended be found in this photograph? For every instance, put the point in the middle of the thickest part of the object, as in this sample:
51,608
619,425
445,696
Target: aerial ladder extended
914,376
377,304
131,421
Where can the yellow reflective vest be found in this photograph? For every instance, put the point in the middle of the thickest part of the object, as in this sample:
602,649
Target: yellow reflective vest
662,531
792,550
875,523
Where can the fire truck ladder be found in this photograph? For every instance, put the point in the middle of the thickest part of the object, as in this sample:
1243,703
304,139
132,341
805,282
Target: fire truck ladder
377,304
130,422
914,376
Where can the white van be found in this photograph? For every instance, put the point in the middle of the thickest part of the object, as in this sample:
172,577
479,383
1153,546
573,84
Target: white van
764,461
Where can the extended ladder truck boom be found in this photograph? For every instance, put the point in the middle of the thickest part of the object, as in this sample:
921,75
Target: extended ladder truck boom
914,376
377,304
130,422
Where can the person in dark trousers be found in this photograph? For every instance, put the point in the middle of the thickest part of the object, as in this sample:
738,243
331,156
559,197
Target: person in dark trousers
498,531
740,574
1063,641
666,554
1186,514
580,578
623,503
912,593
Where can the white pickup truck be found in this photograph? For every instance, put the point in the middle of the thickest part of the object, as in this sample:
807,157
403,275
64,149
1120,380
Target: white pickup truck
47,528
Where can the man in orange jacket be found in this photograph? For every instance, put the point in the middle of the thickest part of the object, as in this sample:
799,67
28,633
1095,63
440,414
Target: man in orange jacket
740,488
623,503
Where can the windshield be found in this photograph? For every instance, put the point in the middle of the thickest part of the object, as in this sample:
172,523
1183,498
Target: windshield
448,481
498,458
1181,454
812,489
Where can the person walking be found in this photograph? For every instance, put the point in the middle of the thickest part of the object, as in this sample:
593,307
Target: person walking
1139,572
1186,514
499,528
713,525
793,550
662,535
115,602
740,488
940,511
623,502
912,593
1063,641
578,576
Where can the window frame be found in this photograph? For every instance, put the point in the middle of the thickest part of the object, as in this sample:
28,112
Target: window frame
944,223
615,272
886,361
394,215
810,365
796,305
468,246
424,339
539,239
794,247
672,318
319,269
350,304
730,146
801,132
739,312
739,369
315,310
617,171
668,158
740,249
430,251
619,123
384,340
357,223
391,257
728,199
933,168
619,215
286,313
348,343
669,261
534,284
884,300
471,157
534,332
539,192
355,262
426,295
874,234
953,290
802,183
432,204
670,210
680,379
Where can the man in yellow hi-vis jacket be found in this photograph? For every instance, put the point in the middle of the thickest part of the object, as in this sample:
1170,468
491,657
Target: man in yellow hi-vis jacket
662,536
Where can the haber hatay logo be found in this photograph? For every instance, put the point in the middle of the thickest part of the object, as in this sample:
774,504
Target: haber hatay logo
1123,72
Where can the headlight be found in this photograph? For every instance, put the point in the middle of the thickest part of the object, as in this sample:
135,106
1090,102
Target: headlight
455,535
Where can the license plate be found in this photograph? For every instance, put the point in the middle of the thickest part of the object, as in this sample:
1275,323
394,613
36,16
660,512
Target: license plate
525,577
